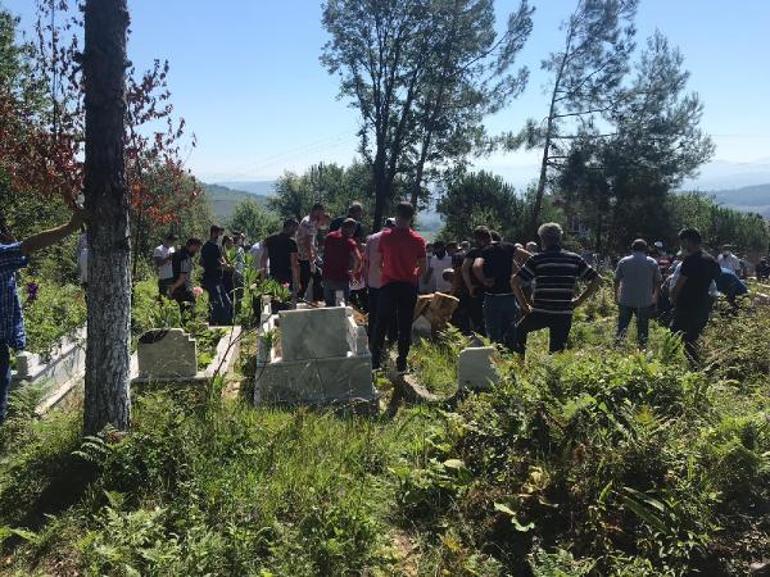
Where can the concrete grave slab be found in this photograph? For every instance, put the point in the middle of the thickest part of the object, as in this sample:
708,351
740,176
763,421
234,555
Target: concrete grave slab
60,374
314,357
225,356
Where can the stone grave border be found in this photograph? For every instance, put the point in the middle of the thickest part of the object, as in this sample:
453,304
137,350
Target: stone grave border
59,376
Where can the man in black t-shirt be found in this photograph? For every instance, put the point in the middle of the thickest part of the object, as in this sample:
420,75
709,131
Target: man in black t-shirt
473,296
213,263
495,267
691,295
181,287
281,250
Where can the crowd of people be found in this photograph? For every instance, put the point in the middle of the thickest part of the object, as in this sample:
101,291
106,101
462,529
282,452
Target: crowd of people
505,290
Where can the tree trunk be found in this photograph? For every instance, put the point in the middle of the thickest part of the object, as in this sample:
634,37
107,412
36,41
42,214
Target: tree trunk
598,232
380,194
417,186
380,185
540,192
107,400
420,170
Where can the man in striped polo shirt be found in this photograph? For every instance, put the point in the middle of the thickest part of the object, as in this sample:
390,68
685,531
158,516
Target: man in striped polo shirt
555,272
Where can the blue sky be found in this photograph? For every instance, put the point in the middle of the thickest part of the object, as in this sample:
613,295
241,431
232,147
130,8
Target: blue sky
246,76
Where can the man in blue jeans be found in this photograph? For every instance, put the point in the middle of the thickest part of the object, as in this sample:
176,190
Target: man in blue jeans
13,256
637,290
494,268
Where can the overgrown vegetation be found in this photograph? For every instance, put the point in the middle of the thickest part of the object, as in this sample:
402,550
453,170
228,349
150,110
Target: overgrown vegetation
51,312
600,461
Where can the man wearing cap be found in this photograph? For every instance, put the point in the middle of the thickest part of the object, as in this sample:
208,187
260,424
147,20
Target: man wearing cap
162,256
213,263
341,262
728,260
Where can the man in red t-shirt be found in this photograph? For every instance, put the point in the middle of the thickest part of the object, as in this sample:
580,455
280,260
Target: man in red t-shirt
403,261
341,261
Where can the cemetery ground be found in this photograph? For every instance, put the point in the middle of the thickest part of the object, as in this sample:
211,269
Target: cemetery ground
600,461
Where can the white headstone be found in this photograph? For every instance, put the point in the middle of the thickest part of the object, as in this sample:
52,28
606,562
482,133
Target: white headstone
314,333
167,353
476,368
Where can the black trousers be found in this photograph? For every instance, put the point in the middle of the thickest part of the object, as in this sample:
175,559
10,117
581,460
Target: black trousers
558,330
476,313
304,277
373,303
395,302
689,323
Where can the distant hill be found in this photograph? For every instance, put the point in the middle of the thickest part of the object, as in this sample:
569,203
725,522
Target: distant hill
754,198
258,187
223,199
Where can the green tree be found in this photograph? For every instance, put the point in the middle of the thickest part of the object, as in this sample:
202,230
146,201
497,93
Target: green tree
421,73
719,225
586,73
334,185
251,218
619,182
481,198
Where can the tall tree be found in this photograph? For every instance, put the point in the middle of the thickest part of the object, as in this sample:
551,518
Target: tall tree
586,72
107,399
412,67
655,141
467,79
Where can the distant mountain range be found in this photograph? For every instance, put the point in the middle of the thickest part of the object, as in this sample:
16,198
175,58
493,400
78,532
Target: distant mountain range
224,196
223,199
258,187
754,198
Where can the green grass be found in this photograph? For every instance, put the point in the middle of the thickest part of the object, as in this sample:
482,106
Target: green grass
602,461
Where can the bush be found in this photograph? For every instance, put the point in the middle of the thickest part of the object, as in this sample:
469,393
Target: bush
54,312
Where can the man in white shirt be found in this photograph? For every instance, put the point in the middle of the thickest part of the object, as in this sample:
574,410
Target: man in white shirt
162,256
728,260
440,262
